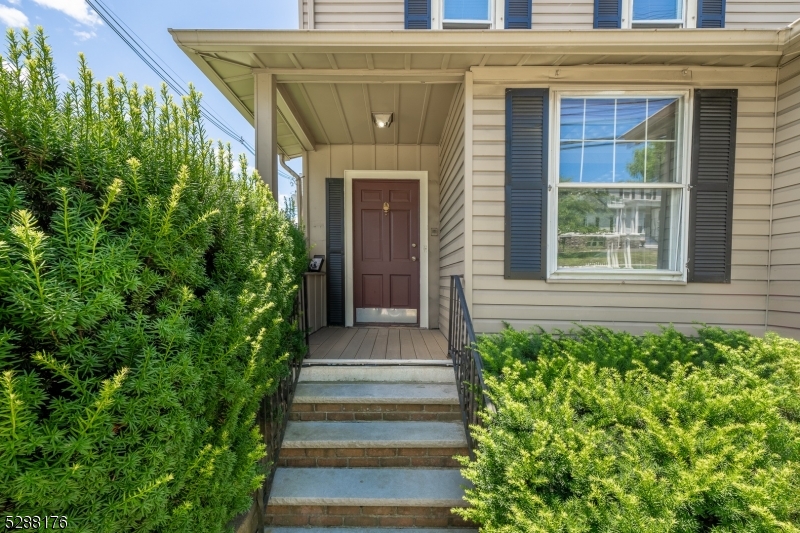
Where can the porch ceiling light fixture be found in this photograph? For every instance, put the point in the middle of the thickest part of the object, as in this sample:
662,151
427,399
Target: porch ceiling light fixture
382,120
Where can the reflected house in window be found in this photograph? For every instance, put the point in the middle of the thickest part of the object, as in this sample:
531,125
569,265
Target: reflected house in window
612,142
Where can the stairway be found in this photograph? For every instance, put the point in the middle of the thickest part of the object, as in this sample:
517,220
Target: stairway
369,449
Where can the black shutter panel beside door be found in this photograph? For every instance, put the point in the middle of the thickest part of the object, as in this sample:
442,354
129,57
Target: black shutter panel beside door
713,160
418,14
334,211
608,14
526,183
518,14
710,13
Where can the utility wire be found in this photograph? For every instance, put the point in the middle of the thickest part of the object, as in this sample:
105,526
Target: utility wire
137,45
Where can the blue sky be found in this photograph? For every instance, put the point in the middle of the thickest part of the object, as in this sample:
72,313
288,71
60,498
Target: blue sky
72,27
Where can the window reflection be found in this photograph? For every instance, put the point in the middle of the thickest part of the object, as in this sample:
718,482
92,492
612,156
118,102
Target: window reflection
618,140
657,10
466,10
618,229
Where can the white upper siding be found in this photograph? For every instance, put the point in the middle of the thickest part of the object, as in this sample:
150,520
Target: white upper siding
635,308
753,14
546,14
562,15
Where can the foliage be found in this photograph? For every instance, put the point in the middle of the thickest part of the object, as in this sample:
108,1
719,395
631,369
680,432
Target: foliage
143,291
604,431
575,205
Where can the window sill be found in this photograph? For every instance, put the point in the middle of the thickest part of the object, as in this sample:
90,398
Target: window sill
618,278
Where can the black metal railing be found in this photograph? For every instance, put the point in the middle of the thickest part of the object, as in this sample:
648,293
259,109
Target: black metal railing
467,362
272,416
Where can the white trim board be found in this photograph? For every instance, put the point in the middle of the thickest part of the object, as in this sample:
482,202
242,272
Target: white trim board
422,177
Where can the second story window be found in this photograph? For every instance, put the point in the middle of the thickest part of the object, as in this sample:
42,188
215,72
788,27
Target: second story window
657,13
467,14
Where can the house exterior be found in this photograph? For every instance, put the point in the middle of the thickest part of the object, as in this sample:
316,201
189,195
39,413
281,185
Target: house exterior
626,163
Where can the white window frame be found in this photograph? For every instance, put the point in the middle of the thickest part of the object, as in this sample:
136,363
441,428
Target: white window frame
683,144
689,19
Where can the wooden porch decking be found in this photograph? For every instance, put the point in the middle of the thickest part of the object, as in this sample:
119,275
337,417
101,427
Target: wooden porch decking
377,343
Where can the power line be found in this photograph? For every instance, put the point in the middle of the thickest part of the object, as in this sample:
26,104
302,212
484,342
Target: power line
137,45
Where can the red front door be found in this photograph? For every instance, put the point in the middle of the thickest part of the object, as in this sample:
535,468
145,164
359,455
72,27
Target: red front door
386,251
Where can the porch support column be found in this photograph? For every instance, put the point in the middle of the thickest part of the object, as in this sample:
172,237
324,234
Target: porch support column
266,103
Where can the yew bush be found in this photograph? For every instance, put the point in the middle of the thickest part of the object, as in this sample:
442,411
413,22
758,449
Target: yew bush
597,431
145,288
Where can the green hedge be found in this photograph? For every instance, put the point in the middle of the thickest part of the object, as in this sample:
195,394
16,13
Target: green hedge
144,287
597,431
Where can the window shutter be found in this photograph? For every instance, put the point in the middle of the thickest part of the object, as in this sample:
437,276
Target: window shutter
518,14
334,192
711,211
418,14
608,14
526,183
710,13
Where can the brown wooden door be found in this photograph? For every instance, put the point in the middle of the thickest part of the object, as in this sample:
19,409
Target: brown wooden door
386,251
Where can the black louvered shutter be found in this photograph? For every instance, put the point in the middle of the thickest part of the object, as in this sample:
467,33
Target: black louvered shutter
608,14
713,159
334,192
518,14
418,14
526,183
710,13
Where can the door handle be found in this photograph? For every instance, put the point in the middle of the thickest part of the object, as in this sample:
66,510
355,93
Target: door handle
413,257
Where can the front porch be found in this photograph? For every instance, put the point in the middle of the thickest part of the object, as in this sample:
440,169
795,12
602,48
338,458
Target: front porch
377,343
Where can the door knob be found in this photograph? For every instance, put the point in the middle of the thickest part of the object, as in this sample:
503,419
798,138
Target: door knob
413,257
413,245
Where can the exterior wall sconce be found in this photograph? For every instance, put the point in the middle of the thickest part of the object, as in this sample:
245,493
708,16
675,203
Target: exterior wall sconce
382,120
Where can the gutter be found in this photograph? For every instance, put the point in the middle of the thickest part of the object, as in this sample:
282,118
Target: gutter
298,181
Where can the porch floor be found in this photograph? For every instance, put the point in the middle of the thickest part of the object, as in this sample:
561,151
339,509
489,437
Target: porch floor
377,343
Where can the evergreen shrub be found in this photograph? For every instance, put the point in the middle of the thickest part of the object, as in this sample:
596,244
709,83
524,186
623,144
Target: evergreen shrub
597,431
145,287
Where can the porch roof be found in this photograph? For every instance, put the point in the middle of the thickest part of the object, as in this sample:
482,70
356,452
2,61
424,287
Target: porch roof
329,82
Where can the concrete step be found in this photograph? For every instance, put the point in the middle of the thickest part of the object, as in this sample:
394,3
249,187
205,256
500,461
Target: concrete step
411,487
378,371
269,529
377,393
374,435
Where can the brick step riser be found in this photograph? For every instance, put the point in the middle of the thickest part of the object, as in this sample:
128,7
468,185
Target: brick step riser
344,412
362,516
370,457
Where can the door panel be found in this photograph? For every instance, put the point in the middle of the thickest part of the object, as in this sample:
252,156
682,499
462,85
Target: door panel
372,290
400,247
400,287
386,250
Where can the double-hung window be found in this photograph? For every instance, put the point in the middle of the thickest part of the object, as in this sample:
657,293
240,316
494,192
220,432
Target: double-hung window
619,195
467,13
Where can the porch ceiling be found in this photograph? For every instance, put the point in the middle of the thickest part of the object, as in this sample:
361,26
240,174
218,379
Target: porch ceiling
331,81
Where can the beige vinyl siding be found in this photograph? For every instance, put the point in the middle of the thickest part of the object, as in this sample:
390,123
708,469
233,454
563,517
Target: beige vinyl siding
753,14
330,161
636,308
784,299
451,193
562,15
356,14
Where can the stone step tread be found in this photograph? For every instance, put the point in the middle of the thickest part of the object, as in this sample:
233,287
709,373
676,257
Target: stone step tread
270,529
374,373
417,487
374,435
377,393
